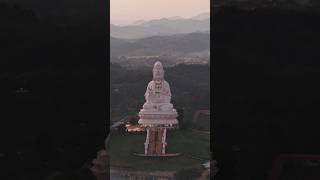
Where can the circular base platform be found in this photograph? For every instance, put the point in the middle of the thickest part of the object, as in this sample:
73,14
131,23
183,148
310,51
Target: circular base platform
158,155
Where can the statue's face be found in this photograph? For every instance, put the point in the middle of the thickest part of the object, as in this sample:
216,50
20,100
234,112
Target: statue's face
158,72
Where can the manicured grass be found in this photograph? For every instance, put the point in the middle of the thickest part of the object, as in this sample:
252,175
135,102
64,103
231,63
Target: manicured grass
179,141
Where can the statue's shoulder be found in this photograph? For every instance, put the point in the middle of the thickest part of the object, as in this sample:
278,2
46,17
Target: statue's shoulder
150,83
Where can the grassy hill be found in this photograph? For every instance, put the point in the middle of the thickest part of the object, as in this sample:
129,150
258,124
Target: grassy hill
182,141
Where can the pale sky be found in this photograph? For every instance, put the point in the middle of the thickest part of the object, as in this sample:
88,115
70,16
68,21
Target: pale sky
129,11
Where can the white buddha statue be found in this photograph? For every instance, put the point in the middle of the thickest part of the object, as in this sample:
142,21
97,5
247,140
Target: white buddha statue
158,94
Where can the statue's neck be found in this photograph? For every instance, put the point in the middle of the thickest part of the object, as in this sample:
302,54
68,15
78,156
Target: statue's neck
158,80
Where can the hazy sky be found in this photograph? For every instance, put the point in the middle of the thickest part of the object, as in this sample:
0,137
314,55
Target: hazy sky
128,11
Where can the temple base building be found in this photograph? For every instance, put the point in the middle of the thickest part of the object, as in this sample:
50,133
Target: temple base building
157,114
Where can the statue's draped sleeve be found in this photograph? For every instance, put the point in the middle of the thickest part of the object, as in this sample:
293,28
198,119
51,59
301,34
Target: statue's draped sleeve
148,91
167,88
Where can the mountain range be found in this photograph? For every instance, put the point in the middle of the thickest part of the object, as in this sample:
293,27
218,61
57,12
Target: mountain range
162,27
197,44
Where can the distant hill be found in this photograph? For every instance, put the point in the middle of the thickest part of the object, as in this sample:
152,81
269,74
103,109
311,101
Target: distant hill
139,22
115,42
175,18
202,16
161,27
173,45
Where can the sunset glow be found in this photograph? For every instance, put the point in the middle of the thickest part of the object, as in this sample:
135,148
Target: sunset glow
129,11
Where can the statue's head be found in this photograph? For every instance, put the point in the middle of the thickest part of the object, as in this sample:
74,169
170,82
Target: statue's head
158,72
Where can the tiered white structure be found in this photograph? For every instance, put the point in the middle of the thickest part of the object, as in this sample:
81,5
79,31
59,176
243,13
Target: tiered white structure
157,114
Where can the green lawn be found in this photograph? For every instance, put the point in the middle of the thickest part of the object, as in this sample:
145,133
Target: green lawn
181,141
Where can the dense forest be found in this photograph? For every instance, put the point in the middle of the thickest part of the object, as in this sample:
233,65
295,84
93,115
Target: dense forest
53,93
266,70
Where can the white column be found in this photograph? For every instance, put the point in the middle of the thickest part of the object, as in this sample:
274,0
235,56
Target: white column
146,143
164,143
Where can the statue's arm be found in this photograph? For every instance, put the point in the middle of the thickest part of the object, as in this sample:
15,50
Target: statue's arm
148,91
167,89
